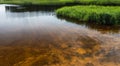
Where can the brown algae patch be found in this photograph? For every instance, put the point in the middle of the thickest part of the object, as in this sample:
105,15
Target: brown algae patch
87,52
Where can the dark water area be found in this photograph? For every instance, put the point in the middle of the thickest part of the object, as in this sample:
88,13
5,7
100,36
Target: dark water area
113,30
35,36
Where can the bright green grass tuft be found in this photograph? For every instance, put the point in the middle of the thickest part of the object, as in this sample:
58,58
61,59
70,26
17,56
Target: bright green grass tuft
107,15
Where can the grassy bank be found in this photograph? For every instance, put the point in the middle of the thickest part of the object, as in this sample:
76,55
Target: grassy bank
107,15
36,2
62,2
99,2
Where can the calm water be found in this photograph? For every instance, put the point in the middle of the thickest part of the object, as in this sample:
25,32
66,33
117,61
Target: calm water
32,36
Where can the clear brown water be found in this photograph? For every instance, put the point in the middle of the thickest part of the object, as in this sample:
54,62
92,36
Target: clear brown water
36,37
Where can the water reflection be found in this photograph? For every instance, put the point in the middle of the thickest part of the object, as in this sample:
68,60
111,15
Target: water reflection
30,11
36,37
113,30
31,8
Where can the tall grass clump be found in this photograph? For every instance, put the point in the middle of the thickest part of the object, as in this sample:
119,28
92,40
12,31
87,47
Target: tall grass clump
107,15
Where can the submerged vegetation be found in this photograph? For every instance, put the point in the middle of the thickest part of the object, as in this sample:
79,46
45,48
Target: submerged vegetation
107,15
62,2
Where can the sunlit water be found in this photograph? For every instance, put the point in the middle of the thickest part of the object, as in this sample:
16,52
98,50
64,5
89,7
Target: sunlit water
37,37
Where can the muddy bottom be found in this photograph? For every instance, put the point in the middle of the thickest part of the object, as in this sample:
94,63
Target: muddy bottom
39,38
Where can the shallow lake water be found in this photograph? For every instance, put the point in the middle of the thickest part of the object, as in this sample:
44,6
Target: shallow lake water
35,36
